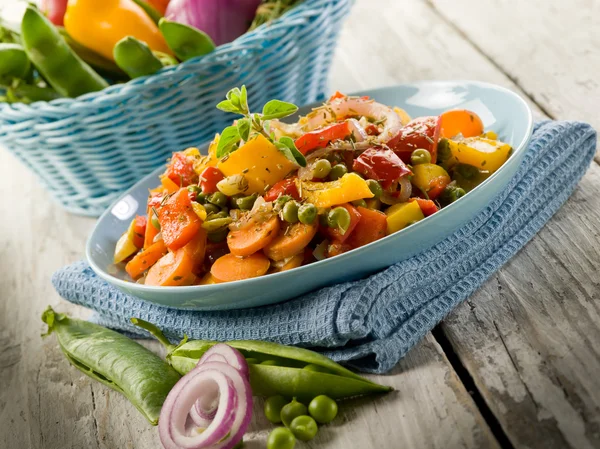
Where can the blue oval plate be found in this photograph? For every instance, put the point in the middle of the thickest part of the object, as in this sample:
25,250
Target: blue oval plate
500,109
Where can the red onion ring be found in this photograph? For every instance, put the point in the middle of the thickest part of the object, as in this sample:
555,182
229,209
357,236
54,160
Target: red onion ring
225,354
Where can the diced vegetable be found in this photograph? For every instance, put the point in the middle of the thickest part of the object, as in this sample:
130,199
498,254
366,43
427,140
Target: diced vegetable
181,170
169,185
233,268
196,249
283,187
401,215
172,269
371,227
139,229
207,279
323,137
253,238
209,178
422,132
381,164
349,187
178,221
337,248
460,121
428,207
287,264
335,234
485,154
145,259
126,244
261,163
291,241
430,179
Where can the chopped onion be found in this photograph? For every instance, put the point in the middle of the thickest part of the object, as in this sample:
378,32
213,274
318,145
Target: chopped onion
233,185
399,196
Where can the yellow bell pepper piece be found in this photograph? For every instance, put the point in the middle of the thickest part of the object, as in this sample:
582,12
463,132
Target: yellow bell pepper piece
401,215
428,176
483,153
125,246
100,24
349,187
199,210
261,163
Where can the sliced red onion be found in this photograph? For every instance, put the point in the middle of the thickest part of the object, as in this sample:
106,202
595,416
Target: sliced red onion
225,354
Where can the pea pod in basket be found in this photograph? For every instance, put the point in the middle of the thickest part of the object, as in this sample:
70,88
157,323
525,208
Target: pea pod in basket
116,361
276,369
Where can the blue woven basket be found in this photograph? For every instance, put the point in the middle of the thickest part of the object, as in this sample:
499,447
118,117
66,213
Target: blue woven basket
89,149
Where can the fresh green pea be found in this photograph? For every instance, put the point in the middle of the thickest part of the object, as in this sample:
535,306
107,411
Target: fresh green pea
280,202
252,361
211,208
135,58
339,218
273,406
337,171
51,55
359,203
321,169
186,42
458,193
218,236
281,438
290,211
291,411
194,189
201,198
375,188
420,156
155,222
246,202
216,224
269,362
450,194
218,199
307,213
115,360
323,409
304,428
468,172
14,62
444,154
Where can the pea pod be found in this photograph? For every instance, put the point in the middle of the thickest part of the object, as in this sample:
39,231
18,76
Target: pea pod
116,361
287,378
13,61
51,55
26,93
185,41
135,58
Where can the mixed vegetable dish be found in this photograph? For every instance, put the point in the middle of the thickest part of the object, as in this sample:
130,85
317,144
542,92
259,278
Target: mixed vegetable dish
272,196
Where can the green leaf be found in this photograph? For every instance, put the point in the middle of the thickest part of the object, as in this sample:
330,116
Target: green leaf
285,150
278,109
229,137
243,126
298,157
227,106
244,100
234,93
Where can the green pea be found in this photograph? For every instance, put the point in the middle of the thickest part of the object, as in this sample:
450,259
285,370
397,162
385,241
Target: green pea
339,218
316,368
155,222
291,411
467,171
323,409
337,172
459,193
290,212
307,213
201,198
218,199
269,362
252,361
211,209
280,202
196,190
359,203
321,169
246,202
375,188
214,224
218,236
304,428
281,438
450,194
420,156
273,406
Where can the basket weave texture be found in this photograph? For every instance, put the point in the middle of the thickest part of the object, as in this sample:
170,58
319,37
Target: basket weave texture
88,150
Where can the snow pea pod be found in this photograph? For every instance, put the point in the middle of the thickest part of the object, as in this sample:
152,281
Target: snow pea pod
185,41
116,361
135,58
13,61
20,92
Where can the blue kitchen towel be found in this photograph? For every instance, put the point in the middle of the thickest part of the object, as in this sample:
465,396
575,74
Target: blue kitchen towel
371,323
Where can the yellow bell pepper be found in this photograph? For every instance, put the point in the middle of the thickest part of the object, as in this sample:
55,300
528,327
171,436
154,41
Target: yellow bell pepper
430,178
125,246
100,24
349,187
483,153
401,215
261,163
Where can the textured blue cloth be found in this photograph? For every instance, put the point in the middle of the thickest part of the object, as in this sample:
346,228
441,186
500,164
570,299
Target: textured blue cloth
371,323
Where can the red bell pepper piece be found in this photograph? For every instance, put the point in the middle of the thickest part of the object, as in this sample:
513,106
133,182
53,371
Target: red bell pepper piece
335,96
335,235
371,227
428,207
381,164
283,187
178,221
323,137
181,170
139,230
422,132
209,178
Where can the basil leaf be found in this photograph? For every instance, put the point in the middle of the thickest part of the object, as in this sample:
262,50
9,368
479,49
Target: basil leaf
243,127
227,106
298,157
278,109
229,137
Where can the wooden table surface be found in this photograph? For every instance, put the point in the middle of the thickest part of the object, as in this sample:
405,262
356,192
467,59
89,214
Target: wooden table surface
517,365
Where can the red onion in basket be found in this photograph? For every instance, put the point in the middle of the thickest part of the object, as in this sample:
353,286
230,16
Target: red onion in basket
222,20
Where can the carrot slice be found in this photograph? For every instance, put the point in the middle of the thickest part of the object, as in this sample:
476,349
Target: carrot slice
291,241
292,263
461,121
253,238
150,233
196,249
172,269
145,259
178,222
229,268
